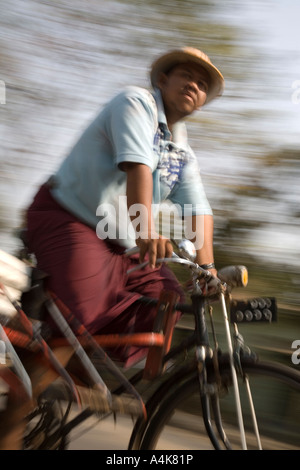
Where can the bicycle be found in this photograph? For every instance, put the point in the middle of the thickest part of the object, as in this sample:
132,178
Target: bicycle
192,384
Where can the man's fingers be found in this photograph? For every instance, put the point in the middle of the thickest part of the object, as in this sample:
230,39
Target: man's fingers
143,250
152,250
156,249
148,247
160,249
169,249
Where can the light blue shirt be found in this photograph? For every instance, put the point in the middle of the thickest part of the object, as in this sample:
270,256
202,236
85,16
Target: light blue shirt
132,127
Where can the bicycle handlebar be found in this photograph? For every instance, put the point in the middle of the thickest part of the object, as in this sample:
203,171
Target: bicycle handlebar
234,276
175,259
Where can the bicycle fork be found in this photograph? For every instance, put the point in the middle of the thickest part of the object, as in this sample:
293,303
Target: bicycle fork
209,395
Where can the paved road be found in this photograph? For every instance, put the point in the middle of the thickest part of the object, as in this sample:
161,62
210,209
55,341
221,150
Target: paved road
108,435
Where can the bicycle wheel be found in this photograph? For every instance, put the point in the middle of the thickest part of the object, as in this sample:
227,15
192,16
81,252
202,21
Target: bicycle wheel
177,423
45,423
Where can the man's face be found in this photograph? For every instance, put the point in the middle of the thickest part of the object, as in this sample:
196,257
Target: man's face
183,90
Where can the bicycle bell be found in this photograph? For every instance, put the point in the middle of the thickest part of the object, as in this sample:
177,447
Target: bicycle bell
187,250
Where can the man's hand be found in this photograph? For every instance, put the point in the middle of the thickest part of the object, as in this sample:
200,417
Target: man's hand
156,247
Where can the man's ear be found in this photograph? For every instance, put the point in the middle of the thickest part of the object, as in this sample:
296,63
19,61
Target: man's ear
162,80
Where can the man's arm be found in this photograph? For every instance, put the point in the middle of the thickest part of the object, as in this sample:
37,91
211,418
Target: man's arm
140,191
203,228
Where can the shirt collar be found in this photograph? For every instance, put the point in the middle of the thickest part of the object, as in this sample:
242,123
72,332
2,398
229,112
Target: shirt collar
161,116
179,135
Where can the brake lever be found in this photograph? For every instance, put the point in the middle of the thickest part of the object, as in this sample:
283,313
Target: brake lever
131,251
135,249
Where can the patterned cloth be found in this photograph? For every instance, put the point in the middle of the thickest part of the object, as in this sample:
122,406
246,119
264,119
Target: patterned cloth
171,160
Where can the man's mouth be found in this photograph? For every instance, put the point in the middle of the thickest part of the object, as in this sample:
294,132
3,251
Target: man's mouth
188,96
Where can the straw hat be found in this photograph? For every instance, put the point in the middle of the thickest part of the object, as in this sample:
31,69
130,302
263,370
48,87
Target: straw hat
189,54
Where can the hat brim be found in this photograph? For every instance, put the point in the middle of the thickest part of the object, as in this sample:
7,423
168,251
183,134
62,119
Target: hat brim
164,63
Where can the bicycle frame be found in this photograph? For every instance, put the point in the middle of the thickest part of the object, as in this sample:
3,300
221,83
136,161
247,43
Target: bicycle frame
200,339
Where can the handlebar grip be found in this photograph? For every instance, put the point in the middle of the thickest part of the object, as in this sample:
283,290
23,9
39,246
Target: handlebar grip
234,276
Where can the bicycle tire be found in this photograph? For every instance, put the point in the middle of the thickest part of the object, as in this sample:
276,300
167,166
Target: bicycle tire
176,418
45,423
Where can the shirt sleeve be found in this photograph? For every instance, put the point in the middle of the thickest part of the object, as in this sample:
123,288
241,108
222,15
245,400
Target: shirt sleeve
189,193
131,127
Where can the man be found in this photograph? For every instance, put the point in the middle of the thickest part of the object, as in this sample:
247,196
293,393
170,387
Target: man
133,156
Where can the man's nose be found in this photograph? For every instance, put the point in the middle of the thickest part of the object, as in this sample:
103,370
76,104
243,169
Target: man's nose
192,85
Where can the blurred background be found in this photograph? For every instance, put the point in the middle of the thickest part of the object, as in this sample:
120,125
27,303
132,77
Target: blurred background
62,60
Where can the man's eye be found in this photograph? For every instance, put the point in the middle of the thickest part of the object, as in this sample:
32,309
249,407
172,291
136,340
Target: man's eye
202,86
